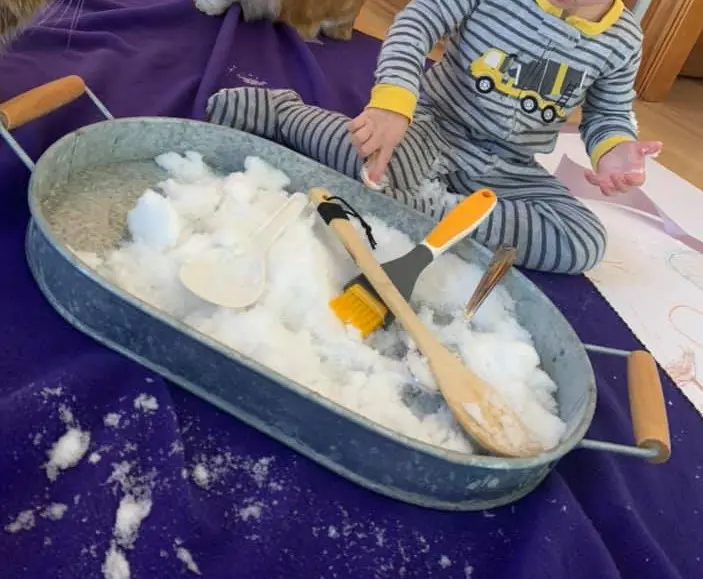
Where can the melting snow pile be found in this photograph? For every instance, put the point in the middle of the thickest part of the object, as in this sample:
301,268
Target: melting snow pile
292,329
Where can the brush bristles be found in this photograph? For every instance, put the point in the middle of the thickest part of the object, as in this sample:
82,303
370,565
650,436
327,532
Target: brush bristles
359,308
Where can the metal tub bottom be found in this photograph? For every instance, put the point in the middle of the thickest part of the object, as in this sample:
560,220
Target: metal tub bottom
98,171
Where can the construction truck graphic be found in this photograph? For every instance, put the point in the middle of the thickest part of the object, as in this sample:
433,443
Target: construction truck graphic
540,85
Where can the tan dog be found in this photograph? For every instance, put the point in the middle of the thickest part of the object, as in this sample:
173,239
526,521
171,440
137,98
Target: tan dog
333,18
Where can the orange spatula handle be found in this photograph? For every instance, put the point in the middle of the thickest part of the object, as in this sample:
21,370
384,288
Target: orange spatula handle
461,221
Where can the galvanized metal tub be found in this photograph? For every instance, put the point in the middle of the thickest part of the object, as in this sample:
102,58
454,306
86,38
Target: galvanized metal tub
109,164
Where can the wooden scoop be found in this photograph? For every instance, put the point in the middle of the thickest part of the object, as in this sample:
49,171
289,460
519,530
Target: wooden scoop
479,409
235,277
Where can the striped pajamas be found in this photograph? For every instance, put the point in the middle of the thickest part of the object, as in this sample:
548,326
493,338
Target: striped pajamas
513,70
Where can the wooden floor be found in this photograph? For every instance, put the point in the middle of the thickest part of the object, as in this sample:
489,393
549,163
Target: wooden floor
678,122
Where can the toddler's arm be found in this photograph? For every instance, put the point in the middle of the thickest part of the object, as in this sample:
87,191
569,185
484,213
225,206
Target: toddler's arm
608,118
416,29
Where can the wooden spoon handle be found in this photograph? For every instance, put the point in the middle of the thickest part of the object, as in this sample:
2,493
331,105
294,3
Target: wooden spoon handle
40,101
649,420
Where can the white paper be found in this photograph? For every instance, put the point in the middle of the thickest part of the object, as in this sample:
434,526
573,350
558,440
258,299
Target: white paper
652,273
655,283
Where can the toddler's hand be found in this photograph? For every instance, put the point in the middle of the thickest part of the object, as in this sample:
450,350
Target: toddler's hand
376,133
622,167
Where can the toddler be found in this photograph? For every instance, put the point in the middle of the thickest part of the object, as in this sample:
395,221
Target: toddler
512,72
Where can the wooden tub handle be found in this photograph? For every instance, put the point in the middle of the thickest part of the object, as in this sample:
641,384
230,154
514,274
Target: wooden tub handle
40,101
649,420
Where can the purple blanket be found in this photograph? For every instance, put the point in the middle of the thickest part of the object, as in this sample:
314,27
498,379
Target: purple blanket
226,501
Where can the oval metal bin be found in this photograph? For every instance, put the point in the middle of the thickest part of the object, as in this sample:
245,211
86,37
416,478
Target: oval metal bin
79,195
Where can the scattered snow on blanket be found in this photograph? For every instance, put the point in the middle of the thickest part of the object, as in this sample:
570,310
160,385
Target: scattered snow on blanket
260,470
49,392
65,414
201,476
130,514
146,403
293,331
120,474
251,512
134,507
116,565
67,451
55,511
398,551
186,558
128,478
23,522
208,470
112,419
94,458
251,80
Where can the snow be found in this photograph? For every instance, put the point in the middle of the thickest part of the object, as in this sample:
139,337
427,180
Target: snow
23,522
210,471
445,562
437,193
250,512
55,511
94,458
201,476
116,565
154,222
120,474
48,392
187,559
65,414
112,419
260,470
293,331
130,514
146,403
67,451
134,507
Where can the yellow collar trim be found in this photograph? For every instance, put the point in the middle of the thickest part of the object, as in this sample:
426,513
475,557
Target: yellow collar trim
588,27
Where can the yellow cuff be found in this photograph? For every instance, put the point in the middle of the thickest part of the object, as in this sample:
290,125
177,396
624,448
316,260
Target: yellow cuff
393,98
606,146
